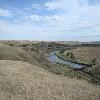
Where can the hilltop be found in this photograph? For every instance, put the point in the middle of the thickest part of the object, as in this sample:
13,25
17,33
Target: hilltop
23,81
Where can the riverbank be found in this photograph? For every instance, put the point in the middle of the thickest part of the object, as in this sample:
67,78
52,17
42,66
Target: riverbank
53,58
61,56
83,54
73,70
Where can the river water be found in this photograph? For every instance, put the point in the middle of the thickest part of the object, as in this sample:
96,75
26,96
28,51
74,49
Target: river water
54,59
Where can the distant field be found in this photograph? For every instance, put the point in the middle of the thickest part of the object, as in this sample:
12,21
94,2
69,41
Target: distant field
82,54
87,53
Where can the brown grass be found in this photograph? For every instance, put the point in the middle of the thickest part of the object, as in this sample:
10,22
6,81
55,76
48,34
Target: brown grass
87,53
23,81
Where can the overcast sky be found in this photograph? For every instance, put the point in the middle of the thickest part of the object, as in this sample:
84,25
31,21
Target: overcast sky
50,20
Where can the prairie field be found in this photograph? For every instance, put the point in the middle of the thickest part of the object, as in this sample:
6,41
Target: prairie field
23,81
27,75
87,53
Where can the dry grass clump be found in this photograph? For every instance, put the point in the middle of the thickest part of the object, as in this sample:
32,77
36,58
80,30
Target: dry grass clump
23,81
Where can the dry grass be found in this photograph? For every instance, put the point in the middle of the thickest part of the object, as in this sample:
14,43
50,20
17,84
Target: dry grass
23,81
19,54
87,53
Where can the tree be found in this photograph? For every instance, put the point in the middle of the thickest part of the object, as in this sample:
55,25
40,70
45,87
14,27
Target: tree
61,51
93,61
70,55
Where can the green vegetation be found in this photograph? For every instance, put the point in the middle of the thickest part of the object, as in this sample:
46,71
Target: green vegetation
69,55
93,61
66,55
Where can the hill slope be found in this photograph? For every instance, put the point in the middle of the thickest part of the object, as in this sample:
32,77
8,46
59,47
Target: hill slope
87,53
23,81
19,54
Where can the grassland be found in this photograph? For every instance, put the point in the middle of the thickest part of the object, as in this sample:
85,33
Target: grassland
84,55
23,81
87,54
26,74
25,54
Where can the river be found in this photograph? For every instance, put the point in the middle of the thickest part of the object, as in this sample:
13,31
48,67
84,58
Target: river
54,59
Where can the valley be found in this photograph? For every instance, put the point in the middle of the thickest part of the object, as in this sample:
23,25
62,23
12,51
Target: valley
25,70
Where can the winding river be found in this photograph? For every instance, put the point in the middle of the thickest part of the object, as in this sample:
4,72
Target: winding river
54,59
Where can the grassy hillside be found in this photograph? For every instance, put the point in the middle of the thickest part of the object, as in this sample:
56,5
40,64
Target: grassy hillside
87,53
23,77
26,55
18,54
23,81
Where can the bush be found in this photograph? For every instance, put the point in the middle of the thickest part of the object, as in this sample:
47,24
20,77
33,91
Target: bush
94,61
62,51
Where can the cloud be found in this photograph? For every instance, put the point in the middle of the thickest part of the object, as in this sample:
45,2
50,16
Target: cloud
51,18
44,19
93,2
36,6
78,17
53,5
5,13
34,18
58,19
